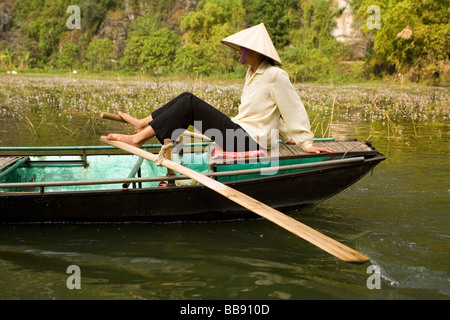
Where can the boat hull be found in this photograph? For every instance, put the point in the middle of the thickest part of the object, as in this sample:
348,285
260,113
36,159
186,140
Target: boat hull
286,192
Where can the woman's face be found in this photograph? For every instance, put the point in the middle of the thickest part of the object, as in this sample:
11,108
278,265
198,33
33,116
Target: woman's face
249,57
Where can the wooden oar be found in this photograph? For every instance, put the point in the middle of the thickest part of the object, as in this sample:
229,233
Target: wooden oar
115,117
318,239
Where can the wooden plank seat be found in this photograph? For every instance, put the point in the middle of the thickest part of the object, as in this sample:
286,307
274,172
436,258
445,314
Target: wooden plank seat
285,151
8,161
353,147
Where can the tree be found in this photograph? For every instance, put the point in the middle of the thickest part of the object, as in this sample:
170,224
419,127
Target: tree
279,17
99,54
149,46
133,51
93,12
204,28
140,29
158,51
313,52
68,55
42,25
413,36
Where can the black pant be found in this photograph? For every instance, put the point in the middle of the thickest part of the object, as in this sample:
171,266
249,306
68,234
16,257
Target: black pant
172,119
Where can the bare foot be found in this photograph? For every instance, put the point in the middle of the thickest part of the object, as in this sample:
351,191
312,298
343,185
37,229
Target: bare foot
137,139
131,140
137,124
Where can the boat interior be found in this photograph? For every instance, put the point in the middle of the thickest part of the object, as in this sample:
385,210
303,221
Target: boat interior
101,168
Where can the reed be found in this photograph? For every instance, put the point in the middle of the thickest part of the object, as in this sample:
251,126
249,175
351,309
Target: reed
31,126
75,102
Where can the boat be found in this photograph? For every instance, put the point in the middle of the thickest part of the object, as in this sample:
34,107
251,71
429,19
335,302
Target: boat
102,184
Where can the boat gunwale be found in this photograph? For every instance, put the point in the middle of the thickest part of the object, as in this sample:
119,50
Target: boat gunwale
9,150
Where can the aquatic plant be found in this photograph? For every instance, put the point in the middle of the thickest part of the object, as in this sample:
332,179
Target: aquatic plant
67,108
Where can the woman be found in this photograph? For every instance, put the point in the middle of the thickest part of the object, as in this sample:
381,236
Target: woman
270,107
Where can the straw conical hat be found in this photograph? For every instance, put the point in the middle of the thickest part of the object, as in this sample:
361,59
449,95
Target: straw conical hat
255,38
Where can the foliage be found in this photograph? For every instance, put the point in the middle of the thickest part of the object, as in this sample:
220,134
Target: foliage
158,51
314,52
42,24
99,55
94,11
212,21
148,47
201,24
68,56
162,38
424,52
277,15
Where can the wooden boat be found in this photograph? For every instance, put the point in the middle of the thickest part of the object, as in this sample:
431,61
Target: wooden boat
104,185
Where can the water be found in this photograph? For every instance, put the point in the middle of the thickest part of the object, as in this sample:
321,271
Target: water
399,216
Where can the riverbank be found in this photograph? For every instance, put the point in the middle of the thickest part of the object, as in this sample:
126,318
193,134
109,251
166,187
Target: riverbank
238,77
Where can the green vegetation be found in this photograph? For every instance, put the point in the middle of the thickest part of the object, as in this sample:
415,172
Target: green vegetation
159,37
314,52
38,110
413,38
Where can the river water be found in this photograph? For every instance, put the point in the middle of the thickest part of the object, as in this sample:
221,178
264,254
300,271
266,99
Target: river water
398,216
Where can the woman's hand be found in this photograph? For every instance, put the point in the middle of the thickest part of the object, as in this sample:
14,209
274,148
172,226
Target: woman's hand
314,149
290,142
319,150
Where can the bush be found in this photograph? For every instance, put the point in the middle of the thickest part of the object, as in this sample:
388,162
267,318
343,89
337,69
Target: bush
99,55
66,59
203,52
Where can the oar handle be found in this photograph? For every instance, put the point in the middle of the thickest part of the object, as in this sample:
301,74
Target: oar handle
111,116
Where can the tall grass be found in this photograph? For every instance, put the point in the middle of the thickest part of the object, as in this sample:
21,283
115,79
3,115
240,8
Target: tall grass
68,107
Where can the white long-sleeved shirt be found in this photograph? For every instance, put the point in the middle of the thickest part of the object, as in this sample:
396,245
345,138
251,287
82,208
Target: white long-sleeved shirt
271,107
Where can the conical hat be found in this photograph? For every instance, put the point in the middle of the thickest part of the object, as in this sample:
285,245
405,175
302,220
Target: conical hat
255,38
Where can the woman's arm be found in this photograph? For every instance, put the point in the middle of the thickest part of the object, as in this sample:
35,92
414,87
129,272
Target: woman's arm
292,110
294,114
